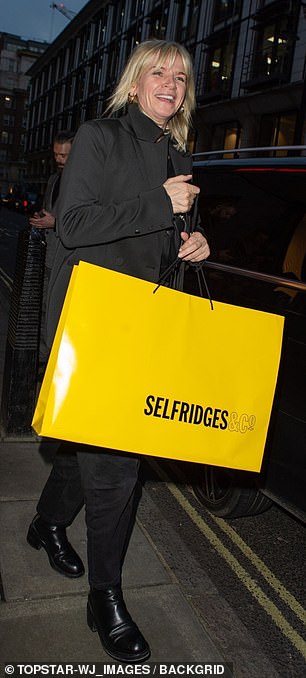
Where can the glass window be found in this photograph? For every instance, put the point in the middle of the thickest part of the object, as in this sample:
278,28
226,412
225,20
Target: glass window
8,101
137,7
118,15
53,72
224,9
133,37
9,120
220,66
188,18
277,130
273,51
68,91
226,136
72,48
4,137
100,28
80,85
113,61
11,47
158,22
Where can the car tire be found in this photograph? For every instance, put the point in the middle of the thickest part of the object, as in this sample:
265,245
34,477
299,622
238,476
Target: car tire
228,493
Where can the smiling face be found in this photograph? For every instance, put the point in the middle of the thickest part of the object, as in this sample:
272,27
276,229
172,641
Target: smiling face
161,89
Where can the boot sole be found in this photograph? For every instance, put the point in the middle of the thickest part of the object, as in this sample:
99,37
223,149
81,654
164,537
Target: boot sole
115,655
37,543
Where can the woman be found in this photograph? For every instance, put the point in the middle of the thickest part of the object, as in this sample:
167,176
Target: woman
123,189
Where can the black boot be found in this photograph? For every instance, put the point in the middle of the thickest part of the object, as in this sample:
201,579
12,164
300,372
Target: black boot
119,635
63,558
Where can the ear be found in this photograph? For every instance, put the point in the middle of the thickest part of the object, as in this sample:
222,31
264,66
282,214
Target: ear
132,92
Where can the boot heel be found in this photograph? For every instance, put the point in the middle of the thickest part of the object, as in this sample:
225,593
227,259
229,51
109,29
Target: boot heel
90,619
34,540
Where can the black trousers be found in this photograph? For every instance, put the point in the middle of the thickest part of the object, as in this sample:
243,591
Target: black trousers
105,481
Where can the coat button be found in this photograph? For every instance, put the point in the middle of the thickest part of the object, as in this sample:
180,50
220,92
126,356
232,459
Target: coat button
137,231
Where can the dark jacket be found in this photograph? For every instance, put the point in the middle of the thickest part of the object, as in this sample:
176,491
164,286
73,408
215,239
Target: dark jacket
112,209
49,204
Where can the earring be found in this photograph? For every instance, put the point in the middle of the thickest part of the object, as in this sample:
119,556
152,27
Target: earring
181,110
131,98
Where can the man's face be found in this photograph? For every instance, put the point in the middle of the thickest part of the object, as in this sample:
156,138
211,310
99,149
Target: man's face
61,152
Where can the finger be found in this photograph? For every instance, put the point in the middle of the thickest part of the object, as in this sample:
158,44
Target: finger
179,178
184,236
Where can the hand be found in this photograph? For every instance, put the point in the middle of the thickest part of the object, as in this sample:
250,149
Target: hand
195,247
42,220
181,193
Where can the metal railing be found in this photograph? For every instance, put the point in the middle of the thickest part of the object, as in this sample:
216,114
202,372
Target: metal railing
252,149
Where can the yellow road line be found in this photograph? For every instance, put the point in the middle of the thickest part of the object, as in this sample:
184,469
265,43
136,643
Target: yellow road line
255,590
271,579
265,572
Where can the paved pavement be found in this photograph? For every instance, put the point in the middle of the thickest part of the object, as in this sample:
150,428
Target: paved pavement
42,614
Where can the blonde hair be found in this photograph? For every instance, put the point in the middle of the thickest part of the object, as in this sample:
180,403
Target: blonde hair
139,60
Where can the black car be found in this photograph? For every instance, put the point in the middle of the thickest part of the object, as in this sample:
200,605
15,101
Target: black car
253,207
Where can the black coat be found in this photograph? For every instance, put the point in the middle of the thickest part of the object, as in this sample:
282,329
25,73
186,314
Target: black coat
49,204
112,209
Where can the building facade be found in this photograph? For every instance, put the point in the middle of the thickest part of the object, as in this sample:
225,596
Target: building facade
16,57
249,59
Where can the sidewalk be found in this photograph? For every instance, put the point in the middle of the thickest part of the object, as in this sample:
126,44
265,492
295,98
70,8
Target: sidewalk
43,615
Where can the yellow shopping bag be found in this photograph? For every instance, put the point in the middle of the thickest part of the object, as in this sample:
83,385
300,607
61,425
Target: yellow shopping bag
159,374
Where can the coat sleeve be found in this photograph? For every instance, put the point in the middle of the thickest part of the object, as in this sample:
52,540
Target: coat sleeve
82,219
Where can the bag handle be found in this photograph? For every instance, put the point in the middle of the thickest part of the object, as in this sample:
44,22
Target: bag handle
189,222
198,268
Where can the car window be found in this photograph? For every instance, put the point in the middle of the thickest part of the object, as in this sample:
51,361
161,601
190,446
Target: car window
255,218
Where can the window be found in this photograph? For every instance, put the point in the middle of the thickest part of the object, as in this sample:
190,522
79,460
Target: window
158,22
272,57
277,130
188,20
100,29
274,44
72,48
68,91
9,120
224,9
226,136
84,45
220,66
80,85
4,137
118,16
8,102
11,47
137,7
133,37
53,72
113,60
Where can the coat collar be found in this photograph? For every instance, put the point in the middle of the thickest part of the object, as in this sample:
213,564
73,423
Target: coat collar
140,125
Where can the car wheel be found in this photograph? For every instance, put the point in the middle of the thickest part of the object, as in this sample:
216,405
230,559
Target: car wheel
228,493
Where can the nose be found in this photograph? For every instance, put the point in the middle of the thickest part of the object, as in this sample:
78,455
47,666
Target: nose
170,79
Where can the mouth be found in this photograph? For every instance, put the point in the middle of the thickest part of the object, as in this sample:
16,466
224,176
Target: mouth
167,97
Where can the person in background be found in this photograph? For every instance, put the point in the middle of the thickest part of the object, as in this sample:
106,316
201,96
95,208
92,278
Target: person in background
46,219
125,190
